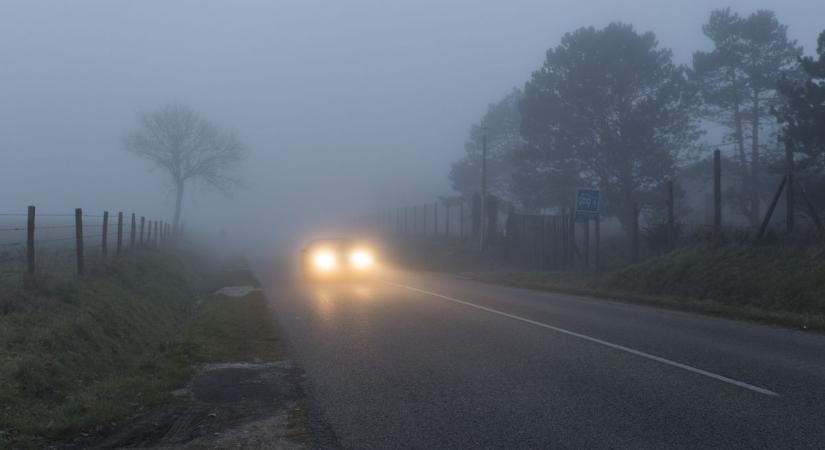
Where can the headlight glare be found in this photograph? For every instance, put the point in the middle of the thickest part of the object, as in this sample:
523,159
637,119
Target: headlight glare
361,259
324,260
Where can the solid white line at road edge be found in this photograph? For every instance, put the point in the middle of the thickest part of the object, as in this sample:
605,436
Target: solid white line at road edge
721,378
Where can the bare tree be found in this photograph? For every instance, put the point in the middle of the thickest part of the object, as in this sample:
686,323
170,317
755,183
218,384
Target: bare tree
188,147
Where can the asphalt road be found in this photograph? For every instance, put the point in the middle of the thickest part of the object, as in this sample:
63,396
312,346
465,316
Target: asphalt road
419,360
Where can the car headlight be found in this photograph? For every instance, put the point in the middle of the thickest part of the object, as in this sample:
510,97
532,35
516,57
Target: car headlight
361,259
324,260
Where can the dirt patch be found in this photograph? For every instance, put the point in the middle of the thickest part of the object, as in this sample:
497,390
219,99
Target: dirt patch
238,405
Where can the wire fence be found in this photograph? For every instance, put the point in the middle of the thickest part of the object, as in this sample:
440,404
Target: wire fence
37,248
709,211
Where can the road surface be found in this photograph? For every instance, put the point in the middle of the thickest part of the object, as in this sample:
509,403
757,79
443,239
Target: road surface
422,360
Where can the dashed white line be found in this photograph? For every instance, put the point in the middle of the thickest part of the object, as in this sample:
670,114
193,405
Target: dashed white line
622,348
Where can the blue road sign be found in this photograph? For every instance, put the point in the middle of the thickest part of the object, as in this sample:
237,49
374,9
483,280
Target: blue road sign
587,203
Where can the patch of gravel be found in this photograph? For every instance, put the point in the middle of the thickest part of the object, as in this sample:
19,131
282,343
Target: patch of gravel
237,291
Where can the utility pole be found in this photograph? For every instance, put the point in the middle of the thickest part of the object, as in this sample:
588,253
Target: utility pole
483,239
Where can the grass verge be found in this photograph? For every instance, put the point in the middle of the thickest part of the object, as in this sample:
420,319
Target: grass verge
85,355
770,284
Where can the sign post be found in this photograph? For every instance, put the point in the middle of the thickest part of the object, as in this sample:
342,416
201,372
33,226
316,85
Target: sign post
587,208
587,203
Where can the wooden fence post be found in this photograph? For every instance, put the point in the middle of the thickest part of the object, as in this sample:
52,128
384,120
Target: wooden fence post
789,189
132,232
565,239
542,229
424,219
769,213
119,232
29,278
812,211
562,237
553,236
448,207
671,215
476,214
490,226
635,233
596,257
104,239
142,224
435,219
461,219
78,227
157,238
717,193
586,244
572,239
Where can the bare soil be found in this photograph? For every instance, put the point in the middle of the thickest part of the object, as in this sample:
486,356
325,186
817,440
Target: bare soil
235,405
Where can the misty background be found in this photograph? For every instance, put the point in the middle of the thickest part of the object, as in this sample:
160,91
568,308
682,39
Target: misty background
344,107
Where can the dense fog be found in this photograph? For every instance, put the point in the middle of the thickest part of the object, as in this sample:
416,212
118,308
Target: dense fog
343,107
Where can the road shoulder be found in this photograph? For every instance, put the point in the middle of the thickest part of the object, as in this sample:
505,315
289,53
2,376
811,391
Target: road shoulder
243,393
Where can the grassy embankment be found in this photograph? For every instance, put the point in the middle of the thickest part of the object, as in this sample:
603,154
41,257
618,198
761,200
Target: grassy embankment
779,285
92,352
775,284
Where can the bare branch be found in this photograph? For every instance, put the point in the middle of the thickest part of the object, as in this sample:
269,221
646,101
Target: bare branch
188,147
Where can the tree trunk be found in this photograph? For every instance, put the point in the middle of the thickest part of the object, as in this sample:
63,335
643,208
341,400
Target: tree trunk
178,205
737,121
739,136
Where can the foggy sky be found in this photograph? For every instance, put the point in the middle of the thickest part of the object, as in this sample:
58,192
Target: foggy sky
345,106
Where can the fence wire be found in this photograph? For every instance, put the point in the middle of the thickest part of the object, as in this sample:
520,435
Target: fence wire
55,243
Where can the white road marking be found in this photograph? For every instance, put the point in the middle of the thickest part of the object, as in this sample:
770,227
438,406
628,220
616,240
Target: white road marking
659,359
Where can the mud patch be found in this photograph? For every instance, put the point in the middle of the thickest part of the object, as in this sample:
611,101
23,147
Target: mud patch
239,405
250,383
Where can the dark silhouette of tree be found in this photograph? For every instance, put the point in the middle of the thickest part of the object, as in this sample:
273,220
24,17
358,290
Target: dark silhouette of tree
803,114
609,109
502,122
738,80
188,147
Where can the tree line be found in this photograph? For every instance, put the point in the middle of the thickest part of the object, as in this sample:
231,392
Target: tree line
609,108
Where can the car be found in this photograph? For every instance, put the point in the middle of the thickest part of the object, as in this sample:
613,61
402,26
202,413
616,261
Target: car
337,259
